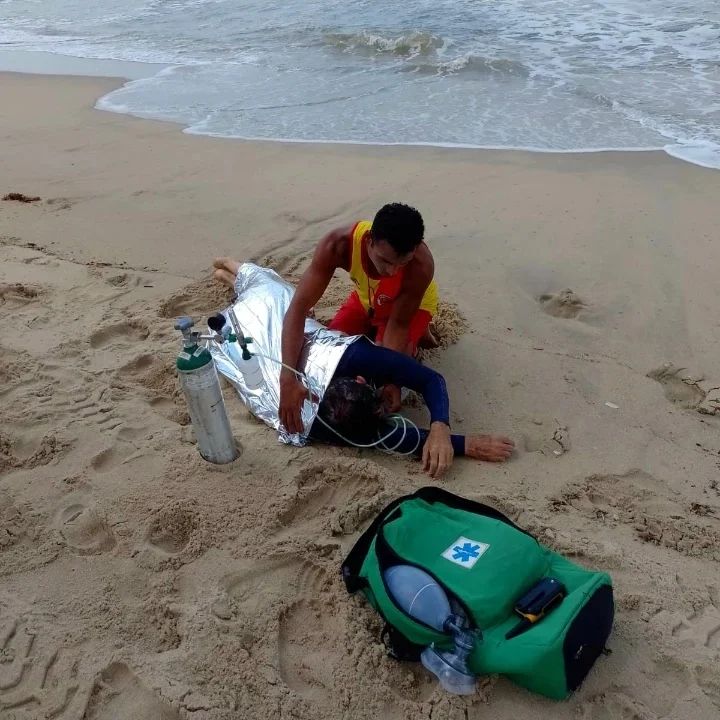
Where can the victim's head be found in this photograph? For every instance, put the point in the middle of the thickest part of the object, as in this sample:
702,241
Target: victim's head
352,407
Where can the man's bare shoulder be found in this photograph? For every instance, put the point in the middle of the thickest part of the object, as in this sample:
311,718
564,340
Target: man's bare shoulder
334,249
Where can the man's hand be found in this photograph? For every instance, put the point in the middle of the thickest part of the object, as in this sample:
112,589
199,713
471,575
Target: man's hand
391,398
292,396
438,451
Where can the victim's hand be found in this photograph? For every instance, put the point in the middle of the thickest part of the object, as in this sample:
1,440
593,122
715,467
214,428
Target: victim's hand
438,451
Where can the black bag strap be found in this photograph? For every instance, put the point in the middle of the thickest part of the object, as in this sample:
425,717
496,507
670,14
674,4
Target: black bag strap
350,568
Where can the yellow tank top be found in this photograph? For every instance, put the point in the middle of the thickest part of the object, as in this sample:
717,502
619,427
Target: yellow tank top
380,294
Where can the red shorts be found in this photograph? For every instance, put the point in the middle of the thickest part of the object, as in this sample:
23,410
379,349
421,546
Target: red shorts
353,319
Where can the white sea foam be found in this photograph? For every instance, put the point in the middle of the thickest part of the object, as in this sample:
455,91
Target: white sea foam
554,76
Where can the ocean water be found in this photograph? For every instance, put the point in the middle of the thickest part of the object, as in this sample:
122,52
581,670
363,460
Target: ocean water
545,75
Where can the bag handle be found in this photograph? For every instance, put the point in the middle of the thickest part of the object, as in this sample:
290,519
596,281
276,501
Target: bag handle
432,494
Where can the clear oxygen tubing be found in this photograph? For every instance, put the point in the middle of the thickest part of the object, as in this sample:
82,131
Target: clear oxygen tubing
380,442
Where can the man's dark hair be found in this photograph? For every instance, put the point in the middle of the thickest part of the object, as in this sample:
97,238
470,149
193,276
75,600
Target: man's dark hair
401,226
352,408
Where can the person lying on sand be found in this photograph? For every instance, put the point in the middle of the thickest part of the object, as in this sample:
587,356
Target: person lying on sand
394,299
353,411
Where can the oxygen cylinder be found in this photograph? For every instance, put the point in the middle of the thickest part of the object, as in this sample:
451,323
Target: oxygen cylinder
201,387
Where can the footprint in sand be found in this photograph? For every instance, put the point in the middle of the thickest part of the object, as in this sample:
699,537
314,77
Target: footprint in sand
122,279
339,496
120,695
119,453
138,366
41,260
564,304
105,460
119,333
156,376
14,524
708,679
700,629
59,203
95,408
551,439
172,528
615,706
658,688
119,280
37,679
85,530
679,388
70,397
249,591
204,297
14,295
255,585
286,263
655,513
310,650
27,453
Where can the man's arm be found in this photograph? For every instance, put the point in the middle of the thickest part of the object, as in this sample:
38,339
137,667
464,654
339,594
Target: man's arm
330,254
418,275
383,365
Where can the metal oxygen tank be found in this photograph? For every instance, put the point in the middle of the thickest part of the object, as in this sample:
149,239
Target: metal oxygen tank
201,387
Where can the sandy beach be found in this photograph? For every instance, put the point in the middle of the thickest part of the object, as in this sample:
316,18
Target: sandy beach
141,583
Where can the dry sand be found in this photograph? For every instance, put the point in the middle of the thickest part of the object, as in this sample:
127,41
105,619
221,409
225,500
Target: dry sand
139,582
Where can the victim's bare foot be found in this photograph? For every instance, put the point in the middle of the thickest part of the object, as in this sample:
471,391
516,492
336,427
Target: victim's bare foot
225,270
226,263
224,277
491,448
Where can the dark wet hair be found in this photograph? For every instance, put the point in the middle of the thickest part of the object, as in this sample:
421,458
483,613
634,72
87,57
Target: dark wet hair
401,226
352,408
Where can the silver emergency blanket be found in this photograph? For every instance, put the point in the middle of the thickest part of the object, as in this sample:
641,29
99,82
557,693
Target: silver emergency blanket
263,298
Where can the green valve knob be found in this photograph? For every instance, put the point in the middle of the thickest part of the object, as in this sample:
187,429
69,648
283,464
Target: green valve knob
244,342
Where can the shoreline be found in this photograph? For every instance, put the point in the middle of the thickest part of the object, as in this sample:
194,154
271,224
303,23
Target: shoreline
120,81
32,62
